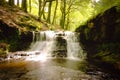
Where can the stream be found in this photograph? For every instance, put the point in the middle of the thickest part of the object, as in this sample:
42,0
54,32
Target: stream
53,55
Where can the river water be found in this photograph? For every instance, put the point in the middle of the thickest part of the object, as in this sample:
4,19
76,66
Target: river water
53,55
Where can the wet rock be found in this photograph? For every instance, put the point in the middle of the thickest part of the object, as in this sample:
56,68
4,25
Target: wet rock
4,48
24,54
60,53
37,53
60,49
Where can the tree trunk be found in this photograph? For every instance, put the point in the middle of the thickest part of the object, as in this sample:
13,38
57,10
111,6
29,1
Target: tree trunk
49,12
11,2
18,2
67,22
63,11
40,9
2,2
30,6
24,5
41,13
68,10
55,12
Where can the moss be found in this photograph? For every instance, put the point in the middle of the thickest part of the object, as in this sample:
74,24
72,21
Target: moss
112,47
51,27
13,45
29,23
111,58
4,48
108,53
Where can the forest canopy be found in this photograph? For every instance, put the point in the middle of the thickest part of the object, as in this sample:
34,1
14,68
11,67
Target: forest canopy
68,14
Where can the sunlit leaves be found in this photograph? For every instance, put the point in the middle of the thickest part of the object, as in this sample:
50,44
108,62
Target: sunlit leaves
103,5
77,12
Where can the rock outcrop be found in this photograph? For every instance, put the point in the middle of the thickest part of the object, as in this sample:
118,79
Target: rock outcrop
100,36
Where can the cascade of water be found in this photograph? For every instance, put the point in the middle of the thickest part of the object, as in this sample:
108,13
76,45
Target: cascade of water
57,43
42,41
73,45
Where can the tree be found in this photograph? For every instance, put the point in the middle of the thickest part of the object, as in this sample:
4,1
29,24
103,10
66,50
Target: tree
40,9
18,2
49,12
42,5
11,2
2,2
70,4
63,12
30,6
55,12
24,5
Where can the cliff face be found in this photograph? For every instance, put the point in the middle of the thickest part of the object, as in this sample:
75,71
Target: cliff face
104,28
12,36
101,36
15,27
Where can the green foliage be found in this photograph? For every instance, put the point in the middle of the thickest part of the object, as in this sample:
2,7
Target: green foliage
112,47
109,52
13,45
118,8
107,57
4,48
103,5
77,12
34,7
51,27
86,31
29,23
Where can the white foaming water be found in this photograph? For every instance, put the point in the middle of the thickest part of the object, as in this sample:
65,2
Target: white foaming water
44,44
74,49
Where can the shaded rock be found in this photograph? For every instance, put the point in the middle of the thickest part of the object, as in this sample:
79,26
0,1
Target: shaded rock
60,49
104,28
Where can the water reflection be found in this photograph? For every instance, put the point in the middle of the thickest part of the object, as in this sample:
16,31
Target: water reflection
51,69
71,64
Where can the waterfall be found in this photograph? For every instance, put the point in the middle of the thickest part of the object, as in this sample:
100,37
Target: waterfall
57,44
73,45
42,42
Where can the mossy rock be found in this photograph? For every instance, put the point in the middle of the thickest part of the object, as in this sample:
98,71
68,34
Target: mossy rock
4,48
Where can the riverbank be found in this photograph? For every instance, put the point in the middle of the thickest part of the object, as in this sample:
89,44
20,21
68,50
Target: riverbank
101,58
100,38
16,27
